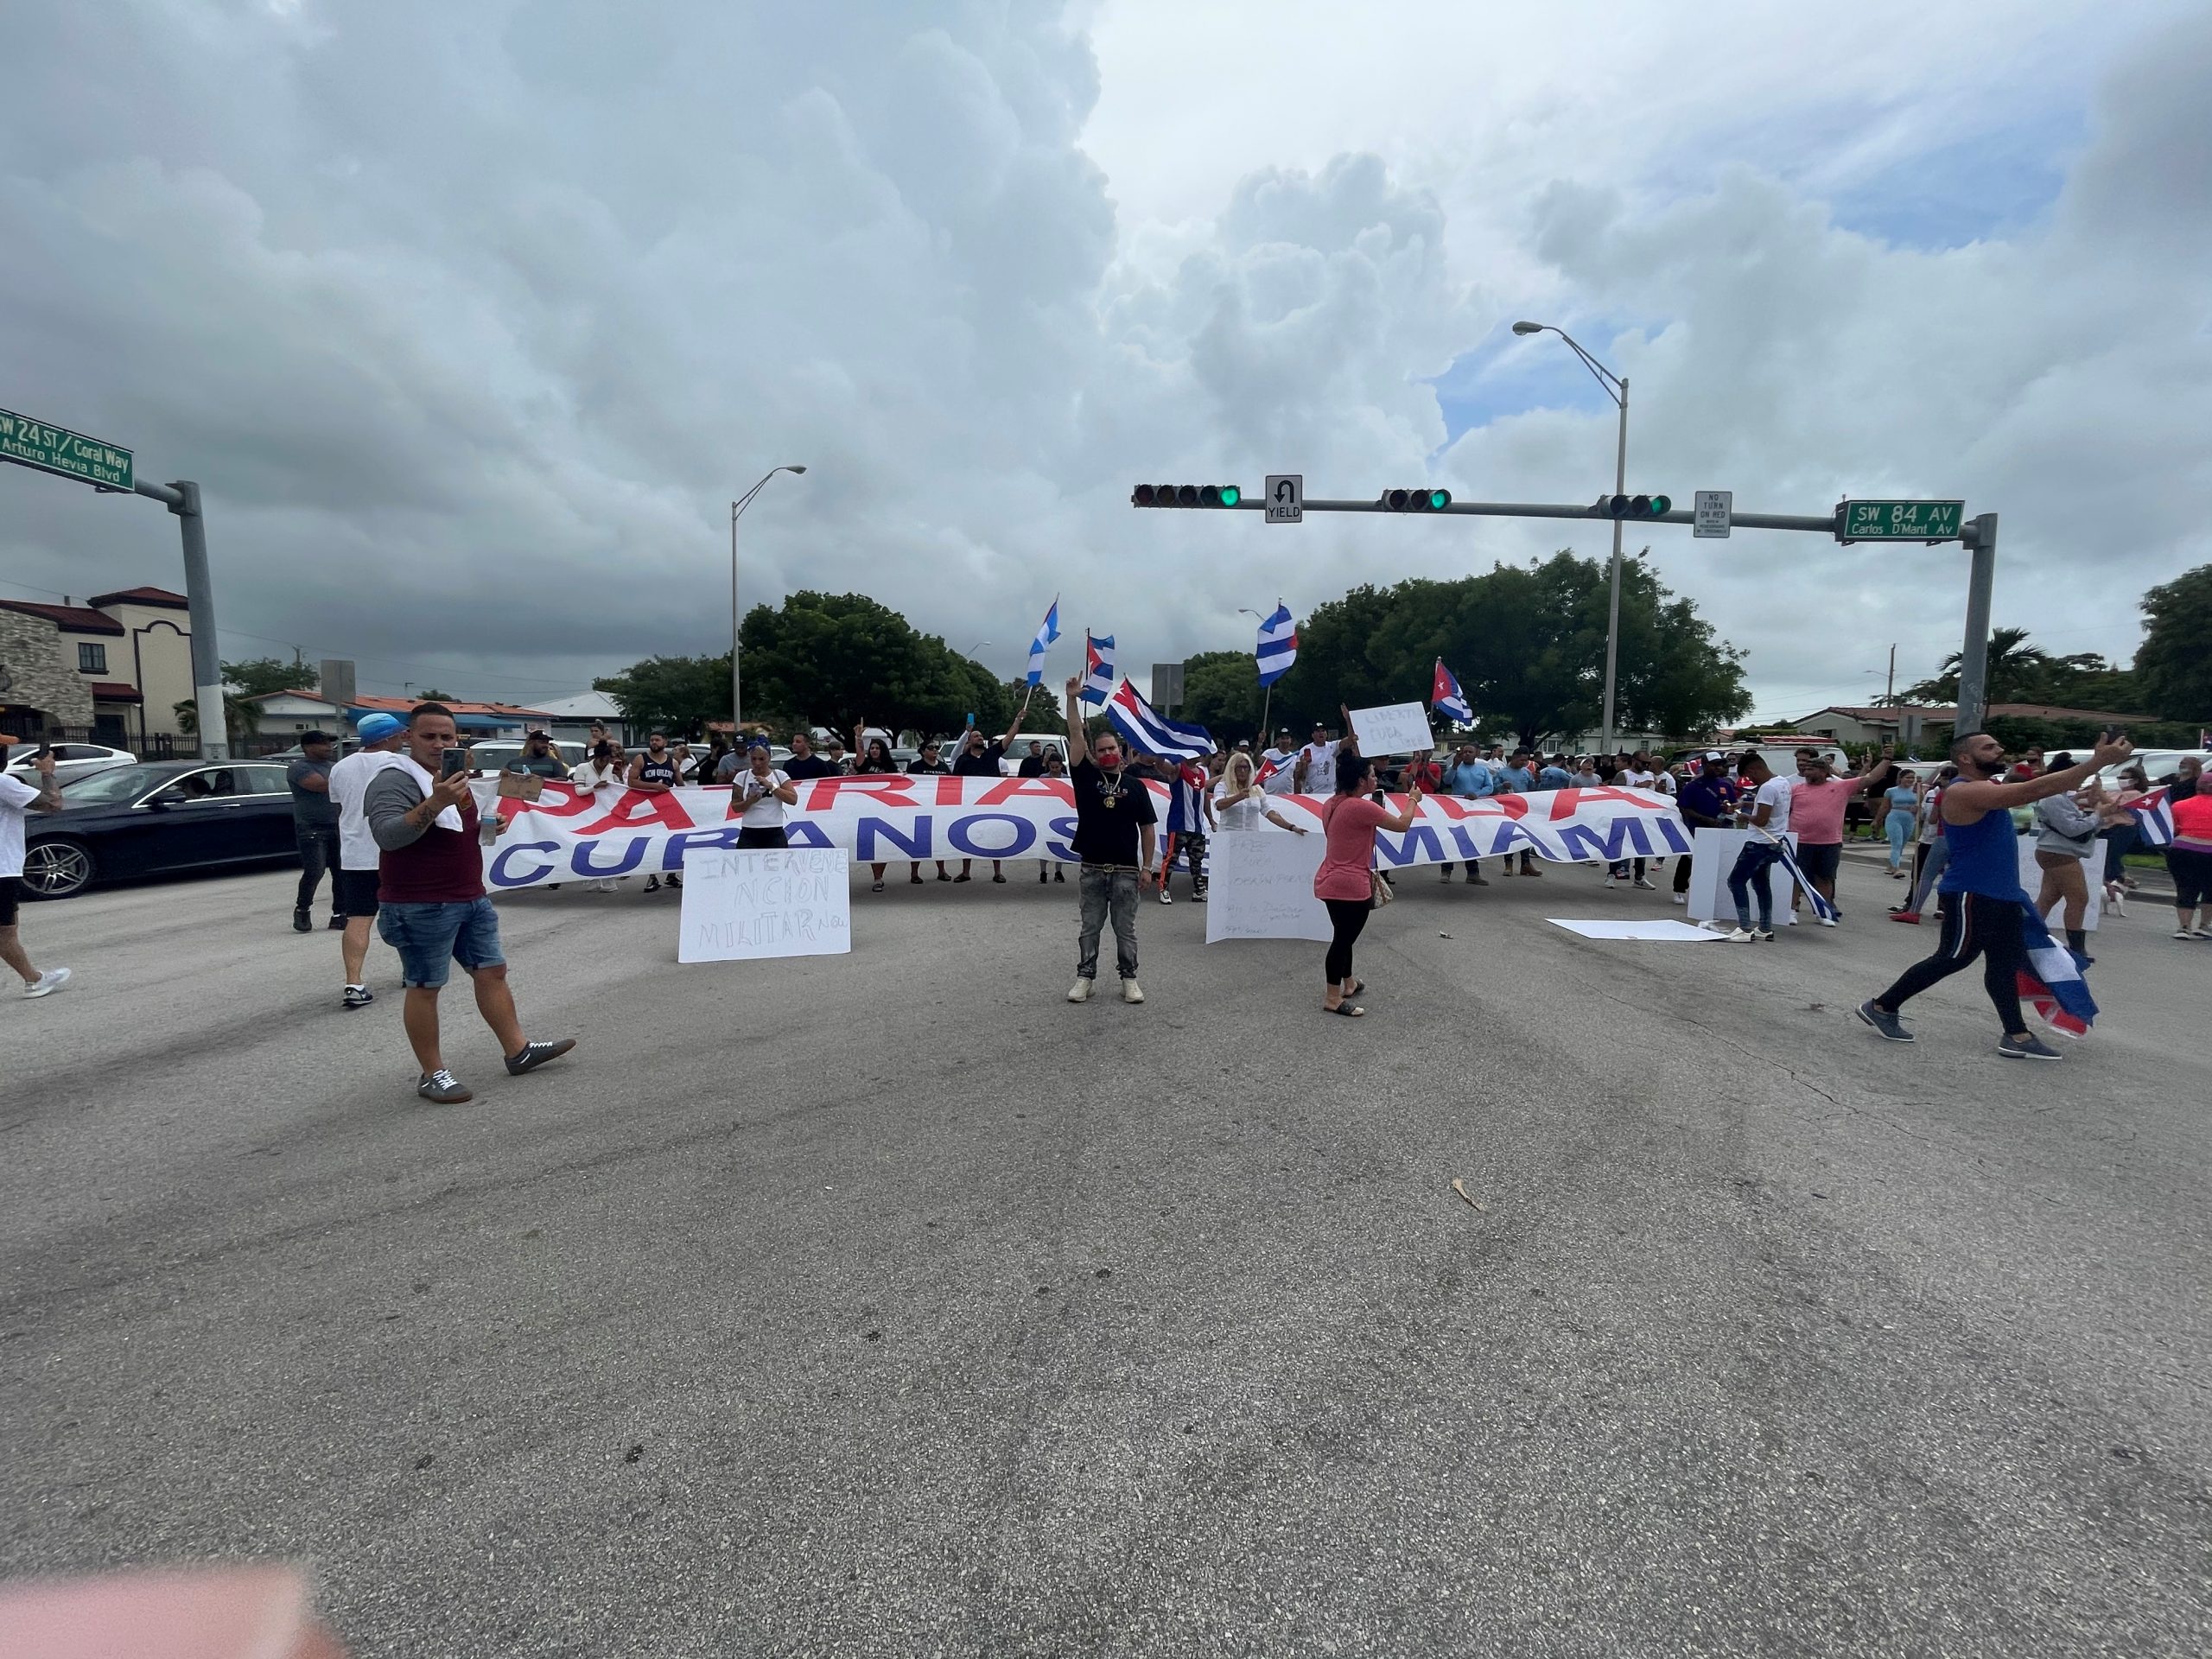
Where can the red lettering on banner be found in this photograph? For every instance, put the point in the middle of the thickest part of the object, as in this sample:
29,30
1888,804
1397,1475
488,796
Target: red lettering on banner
948,789
559,800
1456,807
1565,801
887,791
638,811
1046,789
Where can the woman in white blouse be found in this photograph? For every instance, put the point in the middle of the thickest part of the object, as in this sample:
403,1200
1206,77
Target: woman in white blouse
1240,803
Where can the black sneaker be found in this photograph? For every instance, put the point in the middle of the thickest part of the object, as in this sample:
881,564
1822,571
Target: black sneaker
652,884
337,924
303,922
444,1087
1888,1025
533,1055
2029,1047
358,996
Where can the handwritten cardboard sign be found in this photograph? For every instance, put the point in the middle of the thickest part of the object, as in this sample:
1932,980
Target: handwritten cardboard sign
740,905
1393,729
1261,886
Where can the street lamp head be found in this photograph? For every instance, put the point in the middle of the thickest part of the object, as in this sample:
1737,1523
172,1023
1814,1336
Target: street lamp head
1528,327
794,469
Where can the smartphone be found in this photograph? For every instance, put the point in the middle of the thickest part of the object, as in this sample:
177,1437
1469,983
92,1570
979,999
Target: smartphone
44,749
453,763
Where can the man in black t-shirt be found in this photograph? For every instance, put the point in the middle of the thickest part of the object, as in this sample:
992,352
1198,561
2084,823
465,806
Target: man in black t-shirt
804,762
979,758
1032,763
1113,836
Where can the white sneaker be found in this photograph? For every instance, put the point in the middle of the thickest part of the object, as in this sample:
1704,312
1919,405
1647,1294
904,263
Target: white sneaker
1649,887
1131,992
1828,921
48,983
1165,898
1080,991
1680,898
1742,936
1612,881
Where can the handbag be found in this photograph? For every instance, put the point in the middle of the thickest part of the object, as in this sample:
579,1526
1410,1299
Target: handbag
1379,890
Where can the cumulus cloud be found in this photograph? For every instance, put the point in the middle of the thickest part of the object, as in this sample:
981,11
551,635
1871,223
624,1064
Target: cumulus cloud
471,320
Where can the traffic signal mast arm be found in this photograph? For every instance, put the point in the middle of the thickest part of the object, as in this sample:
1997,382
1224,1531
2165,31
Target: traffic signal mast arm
1824,523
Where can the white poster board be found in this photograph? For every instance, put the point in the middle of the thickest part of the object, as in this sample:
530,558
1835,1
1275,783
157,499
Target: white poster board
2092,872
1712,856
742,905
1260,886
1673,932
1393,729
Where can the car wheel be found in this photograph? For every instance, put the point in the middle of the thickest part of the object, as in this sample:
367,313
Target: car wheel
57,868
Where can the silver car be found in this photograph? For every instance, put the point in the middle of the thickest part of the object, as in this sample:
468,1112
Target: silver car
70,759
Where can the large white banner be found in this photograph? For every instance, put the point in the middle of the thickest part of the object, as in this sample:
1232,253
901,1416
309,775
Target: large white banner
568,836
739,906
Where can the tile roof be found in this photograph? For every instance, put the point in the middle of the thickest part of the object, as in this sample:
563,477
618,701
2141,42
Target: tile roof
114,691
75,618
160,596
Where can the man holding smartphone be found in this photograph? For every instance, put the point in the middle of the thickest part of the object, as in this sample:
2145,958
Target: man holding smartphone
430,902
17,798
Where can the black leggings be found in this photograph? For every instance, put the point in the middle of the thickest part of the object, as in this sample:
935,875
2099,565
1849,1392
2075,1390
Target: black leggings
1347,916
1974,925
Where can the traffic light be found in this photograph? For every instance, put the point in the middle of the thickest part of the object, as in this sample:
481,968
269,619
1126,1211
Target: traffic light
1635,506
1422,500
1185,495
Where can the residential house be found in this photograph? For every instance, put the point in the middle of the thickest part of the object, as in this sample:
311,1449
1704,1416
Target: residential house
111,670
285,714
1905,723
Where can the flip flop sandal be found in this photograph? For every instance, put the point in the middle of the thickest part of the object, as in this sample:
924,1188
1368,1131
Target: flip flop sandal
1348,1010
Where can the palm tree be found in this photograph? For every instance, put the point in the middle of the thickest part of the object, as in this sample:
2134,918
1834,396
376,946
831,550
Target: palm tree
2013,673
240,714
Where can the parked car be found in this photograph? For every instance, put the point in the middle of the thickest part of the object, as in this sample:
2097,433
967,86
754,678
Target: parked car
493,756
70,759
159,817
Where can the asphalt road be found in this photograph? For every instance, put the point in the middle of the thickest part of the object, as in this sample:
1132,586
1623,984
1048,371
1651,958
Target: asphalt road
889,1304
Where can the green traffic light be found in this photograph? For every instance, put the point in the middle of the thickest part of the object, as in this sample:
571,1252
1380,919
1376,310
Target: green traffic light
1440,499
1231,495
1661,505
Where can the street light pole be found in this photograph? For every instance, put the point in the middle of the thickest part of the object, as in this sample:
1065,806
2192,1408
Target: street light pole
1616,389
736,683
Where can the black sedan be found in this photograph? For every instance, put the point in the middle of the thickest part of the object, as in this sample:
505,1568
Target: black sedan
158,818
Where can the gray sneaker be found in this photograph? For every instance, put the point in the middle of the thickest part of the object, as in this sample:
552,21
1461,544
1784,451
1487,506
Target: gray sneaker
1886,1024
2029,1047
531,1055
444,1087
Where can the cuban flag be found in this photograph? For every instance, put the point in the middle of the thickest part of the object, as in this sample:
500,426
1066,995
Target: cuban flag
1098,667
1278,647
1150,733
2154,819
1788,860
1046,633
2055,988
1444,696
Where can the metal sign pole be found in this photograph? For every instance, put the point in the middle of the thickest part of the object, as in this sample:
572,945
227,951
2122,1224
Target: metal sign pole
182,497
1980,538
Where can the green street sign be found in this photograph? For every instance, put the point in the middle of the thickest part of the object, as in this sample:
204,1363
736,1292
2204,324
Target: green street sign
1899,521
57,449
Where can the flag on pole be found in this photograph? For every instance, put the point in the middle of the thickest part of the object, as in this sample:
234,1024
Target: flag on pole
1445,698
1048,633
1148,732
2154,819
1788,860
1098,667
1278,647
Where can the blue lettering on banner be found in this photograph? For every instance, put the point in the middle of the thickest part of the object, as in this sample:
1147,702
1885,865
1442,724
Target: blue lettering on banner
1466,840
499,876
916,846
961,835
1579,841
1513,831
1409,848
580,859
804,834
1063,848
686,841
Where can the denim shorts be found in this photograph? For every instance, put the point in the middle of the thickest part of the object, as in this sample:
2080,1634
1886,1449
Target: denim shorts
430,938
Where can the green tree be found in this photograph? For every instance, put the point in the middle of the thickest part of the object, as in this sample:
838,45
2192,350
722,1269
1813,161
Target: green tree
1222,692
677,694
241,717
835,659
2174,663
257,677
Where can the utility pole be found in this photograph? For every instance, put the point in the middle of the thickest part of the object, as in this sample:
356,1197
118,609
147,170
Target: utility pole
1979,536
182,497
1890,690
1613,604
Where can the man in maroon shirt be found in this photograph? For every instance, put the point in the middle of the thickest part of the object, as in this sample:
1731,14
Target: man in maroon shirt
430,902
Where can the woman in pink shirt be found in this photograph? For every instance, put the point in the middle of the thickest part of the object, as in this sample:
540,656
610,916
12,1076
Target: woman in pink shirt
1346,882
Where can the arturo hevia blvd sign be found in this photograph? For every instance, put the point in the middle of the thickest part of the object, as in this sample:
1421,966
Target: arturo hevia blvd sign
1898,521
57,449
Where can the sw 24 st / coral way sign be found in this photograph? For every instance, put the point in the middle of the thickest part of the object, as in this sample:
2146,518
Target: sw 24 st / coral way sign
56,449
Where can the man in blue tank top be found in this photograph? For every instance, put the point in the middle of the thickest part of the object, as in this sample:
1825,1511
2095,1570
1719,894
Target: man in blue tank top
1982,901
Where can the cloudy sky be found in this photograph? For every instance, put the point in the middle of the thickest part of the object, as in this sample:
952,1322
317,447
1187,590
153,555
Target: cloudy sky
471,320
